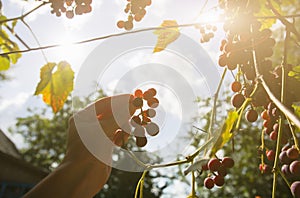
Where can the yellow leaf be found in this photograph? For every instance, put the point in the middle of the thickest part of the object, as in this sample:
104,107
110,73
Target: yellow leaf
55,86
266,11
226,132
166,36
4,63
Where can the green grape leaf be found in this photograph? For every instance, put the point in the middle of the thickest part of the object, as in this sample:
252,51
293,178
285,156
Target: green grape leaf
55,86
296,107
2,18
295,73
166,36
4,63
266,11
8,45
13,24
226,132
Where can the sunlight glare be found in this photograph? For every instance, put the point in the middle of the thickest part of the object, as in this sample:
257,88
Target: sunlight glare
209,17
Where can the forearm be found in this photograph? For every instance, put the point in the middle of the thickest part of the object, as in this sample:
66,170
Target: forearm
82,180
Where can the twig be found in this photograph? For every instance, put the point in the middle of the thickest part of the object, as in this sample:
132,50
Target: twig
24,15
17,36
214,110
289,26
35,38
280,106
169,164
200,129
128,32
272,97
132,155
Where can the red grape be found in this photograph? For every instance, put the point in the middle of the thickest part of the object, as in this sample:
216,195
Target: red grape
295,189
214,164
209,183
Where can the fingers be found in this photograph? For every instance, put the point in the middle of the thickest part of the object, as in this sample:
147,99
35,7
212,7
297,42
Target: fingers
114,113
120,104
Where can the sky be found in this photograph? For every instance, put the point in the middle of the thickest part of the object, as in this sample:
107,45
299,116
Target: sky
17,94
126,71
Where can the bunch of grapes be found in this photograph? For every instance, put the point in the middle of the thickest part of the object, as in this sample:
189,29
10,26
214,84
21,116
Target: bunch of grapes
247,48
206,31
290,160
218,170
136,12
141,122
70,7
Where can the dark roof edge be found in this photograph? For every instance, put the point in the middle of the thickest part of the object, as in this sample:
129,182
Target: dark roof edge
24,163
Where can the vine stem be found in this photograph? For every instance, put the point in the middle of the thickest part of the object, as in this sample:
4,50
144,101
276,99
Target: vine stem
213,113
290,115
193,185
140,185
17,36
289,26
293,134
24,15
121,33
283,96
35,38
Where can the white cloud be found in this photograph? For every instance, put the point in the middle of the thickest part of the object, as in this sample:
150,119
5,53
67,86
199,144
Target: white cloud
17,101
21,7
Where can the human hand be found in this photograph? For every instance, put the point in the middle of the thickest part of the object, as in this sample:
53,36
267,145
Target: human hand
86,166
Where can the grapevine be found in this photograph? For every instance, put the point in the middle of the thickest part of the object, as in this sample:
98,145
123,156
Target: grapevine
262,89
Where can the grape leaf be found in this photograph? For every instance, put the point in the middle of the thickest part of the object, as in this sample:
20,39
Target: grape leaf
4,63
226,133
8,45
266,11
295,73
55,86
296,107
166,36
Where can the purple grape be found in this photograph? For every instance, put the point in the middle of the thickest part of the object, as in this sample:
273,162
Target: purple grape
295,189
295,168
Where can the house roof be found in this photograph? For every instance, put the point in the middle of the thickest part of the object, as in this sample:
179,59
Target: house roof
13,167
8,147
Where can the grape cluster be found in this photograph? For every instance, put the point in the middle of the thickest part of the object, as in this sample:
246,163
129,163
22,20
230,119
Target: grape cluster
206,31
218,170
247,49
290,160
70,7
142,122
136,12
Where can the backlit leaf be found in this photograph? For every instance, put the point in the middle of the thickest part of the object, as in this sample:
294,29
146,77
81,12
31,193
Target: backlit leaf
226,132
166,36
7,45
295,73
266,11
296,107
4,63
55,86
